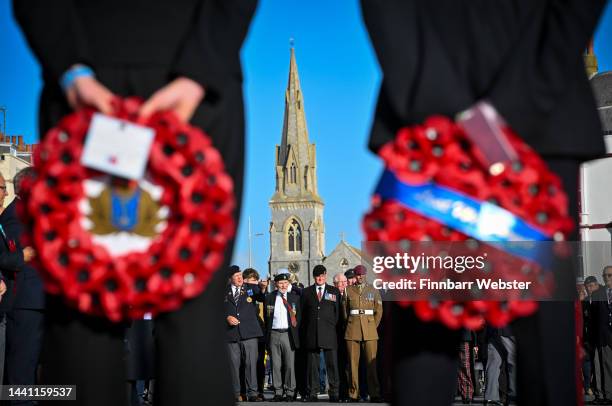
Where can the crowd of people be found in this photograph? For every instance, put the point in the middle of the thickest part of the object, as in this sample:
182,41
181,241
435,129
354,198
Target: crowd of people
306,341
301,329
596,305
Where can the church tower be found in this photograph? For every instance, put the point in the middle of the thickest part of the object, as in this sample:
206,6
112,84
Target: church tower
297,232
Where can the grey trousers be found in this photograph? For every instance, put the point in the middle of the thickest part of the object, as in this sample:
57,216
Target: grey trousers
244,351
283,358
603,369
493,369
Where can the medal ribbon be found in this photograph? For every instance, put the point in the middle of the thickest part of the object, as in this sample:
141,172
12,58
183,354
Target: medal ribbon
290,311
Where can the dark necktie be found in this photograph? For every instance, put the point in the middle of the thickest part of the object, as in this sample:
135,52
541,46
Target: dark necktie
236,294
320,293
609,295
291,314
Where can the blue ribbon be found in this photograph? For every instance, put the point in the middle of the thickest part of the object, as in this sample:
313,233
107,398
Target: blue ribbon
483,221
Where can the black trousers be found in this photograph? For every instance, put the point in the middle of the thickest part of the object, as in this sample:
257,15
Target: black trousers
342,368
426,358
191,359
24,336
331,365
300,367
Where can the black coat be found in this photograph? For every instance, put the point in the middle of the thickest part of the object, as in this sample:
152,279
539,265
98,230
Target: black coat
199,39
245,310
320,319
589,313
601,318
269,305
441,56
25,287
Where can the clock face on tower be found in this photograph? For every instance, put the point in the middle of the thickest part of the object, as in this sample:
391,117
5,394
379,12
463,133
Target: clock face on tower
294,269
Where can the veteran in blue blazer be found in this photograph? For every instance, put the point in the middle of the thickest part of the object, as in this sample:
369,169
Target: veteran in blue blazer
243,329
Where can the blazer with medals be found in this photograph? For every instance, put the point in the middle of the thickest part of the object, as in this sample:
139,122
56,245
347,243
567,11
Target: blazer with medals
368,303
245,310
320,319
293,300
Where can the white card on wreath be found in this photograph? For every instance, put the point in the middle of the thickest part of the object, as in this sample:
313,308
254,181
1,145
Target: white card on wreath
117,147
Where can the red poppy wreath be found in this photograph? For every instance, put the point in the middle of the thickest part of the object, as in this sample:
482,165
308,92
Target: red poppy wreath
119,248
437,158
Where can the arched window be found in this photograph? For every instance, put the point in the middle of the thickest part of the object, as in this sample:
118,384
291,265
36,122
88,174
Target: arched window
306,178
293,173
294,235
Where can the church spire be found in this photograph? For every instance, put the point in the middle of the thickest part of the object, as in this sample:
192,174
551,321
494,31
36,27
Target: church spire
295,156
297,230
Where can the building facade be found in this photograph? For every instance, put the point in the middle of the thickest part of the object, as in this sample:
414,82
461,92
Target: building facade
15,155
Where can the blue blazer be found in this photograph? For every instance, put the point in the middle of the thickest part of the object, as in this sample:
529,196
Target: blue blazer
244,309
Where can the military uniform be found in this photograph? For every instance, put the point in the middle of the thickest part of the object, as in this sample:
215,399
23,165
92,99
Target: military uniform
362,310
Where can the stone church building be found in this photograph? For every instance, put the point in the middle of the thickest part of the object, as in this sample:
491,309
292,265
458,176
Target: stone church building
297,228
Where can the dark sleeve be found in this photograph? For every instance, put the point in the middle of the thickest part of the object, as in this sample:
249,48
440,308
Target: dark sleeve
211,52
546,61
301,299
394,31
12,261
258,294
53,32
338,299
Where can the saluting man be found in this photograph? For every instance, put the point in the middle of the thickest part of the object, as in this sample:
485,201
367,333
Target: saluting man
363,310
243,329
321,308
282,318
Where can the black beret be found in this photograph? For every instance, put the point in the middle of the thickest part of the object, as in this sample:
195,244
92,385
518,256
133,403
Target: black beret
349,274
590,279
318,270
281,277
232,270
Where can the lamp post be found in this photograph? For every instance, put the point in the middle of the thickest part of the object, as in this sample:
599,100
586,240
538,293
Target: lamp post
251,235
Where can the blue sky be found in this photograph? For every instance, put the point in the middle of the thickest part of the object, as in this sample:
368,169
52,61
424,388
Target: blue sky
339,78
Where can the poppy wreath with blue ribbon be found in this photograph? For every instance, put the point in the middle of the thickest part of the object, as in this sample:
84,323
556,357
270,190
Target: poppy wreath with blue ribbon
180,260
437,159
